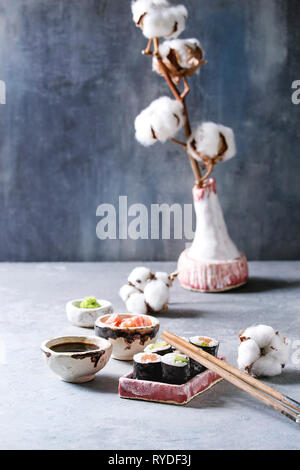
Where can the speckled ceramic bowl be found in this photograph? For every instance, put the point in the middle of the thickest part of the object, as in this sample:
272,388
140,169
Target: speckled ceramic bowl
77,367
86,317
127,342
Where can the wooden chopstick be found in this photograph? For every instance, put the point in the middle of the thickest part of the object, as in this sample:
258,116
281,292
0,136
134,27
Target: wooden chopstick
252,381
245,382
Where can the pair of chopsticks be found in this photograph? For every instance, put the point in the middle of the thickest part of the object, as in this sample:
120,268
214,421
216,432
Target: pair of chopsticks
266,394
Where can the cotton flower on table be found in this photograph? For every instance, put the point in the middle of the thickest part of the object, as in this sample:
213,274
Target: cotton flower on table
159,121
156,295
262,352
157,18
146,292
210,141
139,277
182,57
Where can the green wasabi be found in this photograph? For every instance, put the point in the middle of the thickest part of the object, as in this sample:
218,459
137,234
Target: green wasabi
89,302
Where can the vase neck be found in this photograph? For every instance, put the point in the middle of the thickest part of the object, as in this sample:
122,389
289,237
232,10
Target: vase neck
204,192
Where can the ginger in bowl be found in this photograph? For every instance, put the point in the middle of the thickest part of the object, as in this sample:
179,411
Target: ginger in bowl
129,334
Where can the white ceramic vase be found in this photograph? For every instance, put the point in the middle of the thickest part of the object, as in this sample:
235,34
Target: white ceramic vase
213,262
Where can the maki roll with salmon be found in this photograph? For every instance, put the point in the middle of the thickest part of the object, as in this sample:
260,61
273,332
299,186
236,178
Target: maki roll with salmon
209,345
147,366
160,347
175,368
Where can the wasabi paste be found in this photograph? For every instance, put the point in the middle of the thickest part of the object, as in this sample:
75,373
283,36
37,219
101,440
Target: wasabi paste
89,302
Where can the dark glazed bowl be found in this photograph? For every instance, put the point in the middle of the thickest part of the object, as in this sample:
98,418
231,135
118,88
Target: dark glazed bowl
127,342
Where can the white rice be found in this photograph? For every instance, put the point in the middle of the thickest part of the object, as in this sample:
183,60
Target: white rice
198,340
159,345
170,359
138,358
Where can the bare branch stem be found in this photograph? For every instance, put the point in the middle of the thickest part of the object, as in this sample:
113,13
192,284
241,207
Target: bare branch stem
178,142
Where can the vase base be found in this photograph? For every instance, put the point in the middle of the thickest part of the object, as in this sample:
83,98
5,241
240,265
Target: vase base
211,276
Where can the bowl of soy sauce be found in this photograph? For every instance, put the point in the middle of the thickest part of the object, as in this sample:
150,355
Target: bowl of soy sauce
76,359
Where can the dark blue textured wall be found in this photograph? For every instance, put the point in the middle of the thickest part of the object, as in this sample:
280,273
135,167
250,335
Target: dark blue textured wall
75,82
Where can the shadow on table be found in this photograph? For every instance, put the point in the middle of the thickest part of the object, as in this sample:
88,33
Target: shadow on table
263,284
180,312
102,383
224,394
288,377
219,396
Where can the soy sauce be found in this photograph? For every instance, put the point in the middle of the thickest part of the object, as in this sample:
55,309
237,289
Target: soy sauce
74,347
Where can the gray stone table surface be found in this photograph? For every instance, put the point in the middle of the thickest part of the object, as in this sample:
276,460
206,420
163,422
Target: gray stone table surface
38,411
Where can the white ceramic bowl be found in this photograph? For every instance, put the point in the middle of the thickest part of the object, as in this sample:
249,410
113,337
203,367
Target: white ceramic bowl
129,341
86,317
77,367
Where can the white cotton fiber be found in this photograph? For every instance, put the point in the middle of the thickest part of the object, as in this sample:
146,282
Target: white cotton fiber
141,7
139,276
183,48
126,291
163,277
156,294
205,139
161,21
262,352
136,304
160,121
248,353
279,349
266,366
262,334
228,133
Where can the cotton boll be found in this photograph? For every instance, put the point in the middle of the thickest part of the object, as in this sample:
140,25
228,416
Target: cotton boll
163,21
183,48
156,295
182,57
141,7
228,134
144,132
204,139
162,119
136,304
278,349
163,277
248,353
273,350
261,334
139,277
126,291
266,366
212,140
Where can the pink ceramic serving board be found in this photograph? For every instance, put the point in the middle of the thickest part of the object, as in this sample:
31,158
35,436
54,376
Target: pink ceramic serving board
167,393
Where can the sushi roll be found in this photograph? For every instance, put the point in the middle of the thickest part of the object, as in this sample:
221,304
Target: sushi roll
209,345
160,347
175,368
147,366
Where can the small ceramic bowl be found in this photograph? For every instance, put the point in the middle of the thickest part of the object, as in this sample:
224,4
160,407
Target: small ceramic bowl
129,341
77,367
86,317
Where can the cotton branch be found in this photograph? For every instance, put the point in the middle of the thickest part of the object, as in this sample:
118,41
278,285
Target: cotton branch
180,97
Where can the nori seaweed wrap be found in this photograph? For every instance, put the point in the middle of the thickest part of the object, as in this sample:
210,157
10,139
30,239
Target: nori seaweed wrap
147,366
175,368
209,345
